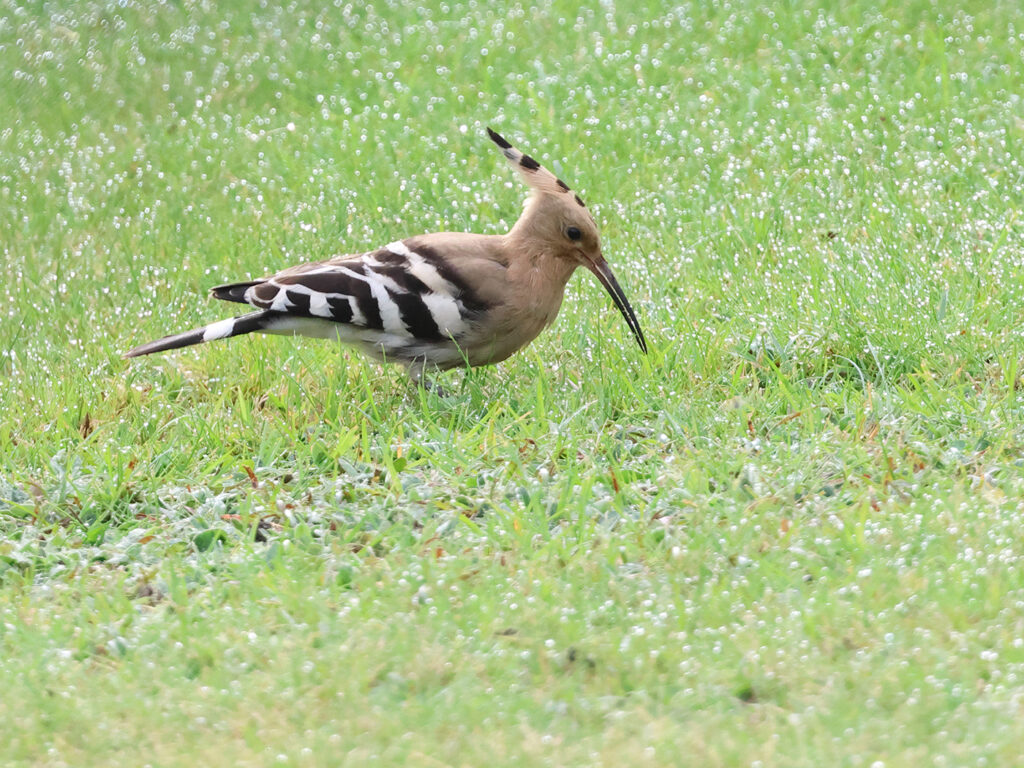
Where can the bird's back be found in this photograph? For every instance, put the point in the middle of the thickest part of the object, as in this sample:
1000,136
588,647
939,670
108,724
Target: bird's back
421,299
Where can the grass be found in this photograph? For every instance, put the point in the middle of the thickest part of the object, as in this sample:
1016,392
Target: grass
788,537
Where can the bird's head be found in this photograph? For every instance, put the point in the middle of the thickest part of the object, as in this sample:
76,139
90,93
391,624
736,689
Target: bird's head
558,220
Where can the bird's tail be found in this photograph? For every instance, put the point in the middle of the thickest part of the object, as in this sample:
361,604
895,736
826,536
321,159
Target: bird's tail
234,291
222,329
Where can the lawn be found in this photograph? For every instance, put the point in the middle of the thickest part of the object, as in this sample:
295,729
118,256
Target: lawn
789,536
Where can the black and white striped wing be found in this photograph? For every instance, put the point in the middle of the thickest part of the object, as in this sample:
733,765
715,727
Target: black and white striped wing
407,297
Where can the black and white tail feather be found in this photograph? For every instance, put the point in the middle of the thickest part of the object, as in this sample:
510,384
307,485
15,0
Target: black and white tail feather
222,329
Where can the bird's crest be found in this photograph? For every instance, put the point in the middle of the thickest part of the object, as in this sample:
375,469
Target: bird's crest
534,174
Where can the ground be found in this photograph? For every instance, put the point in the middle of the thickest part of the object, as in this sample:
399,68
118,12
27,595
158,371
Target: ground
790,536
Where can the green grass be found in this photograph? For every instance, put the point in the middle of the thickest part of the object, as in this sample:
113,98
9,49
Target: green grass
788,537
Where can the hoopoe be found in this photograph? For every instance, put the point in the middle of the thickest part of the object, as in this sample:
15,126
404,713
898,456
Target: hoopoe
438,300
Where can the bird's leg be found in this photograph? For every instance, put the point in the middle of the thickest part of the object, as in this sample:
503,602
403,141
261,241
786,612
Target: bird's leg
437,389
416,373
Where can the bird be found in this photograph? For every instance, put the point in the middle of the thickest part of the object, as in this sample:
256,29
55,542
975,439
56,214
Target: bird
433,301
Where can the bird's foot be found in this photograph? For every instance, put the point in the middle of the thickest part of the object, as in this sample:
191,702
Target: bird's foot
435,388
416,373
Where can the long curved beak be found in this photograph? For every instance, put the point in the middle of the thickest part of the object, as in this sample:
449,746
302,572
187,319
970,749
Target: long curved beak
604,273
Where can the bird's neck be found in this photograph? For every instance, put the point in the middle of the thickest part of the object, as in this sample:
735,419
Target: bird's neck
530,252
540,275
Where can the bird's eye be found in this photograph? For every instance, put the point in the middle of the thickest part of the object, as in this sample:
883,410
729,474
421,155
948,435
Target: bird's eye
573,233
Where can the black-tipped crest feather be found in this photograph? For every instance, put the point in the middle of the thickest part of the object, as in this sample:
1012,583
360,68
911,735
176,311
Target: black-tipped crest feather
498,139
